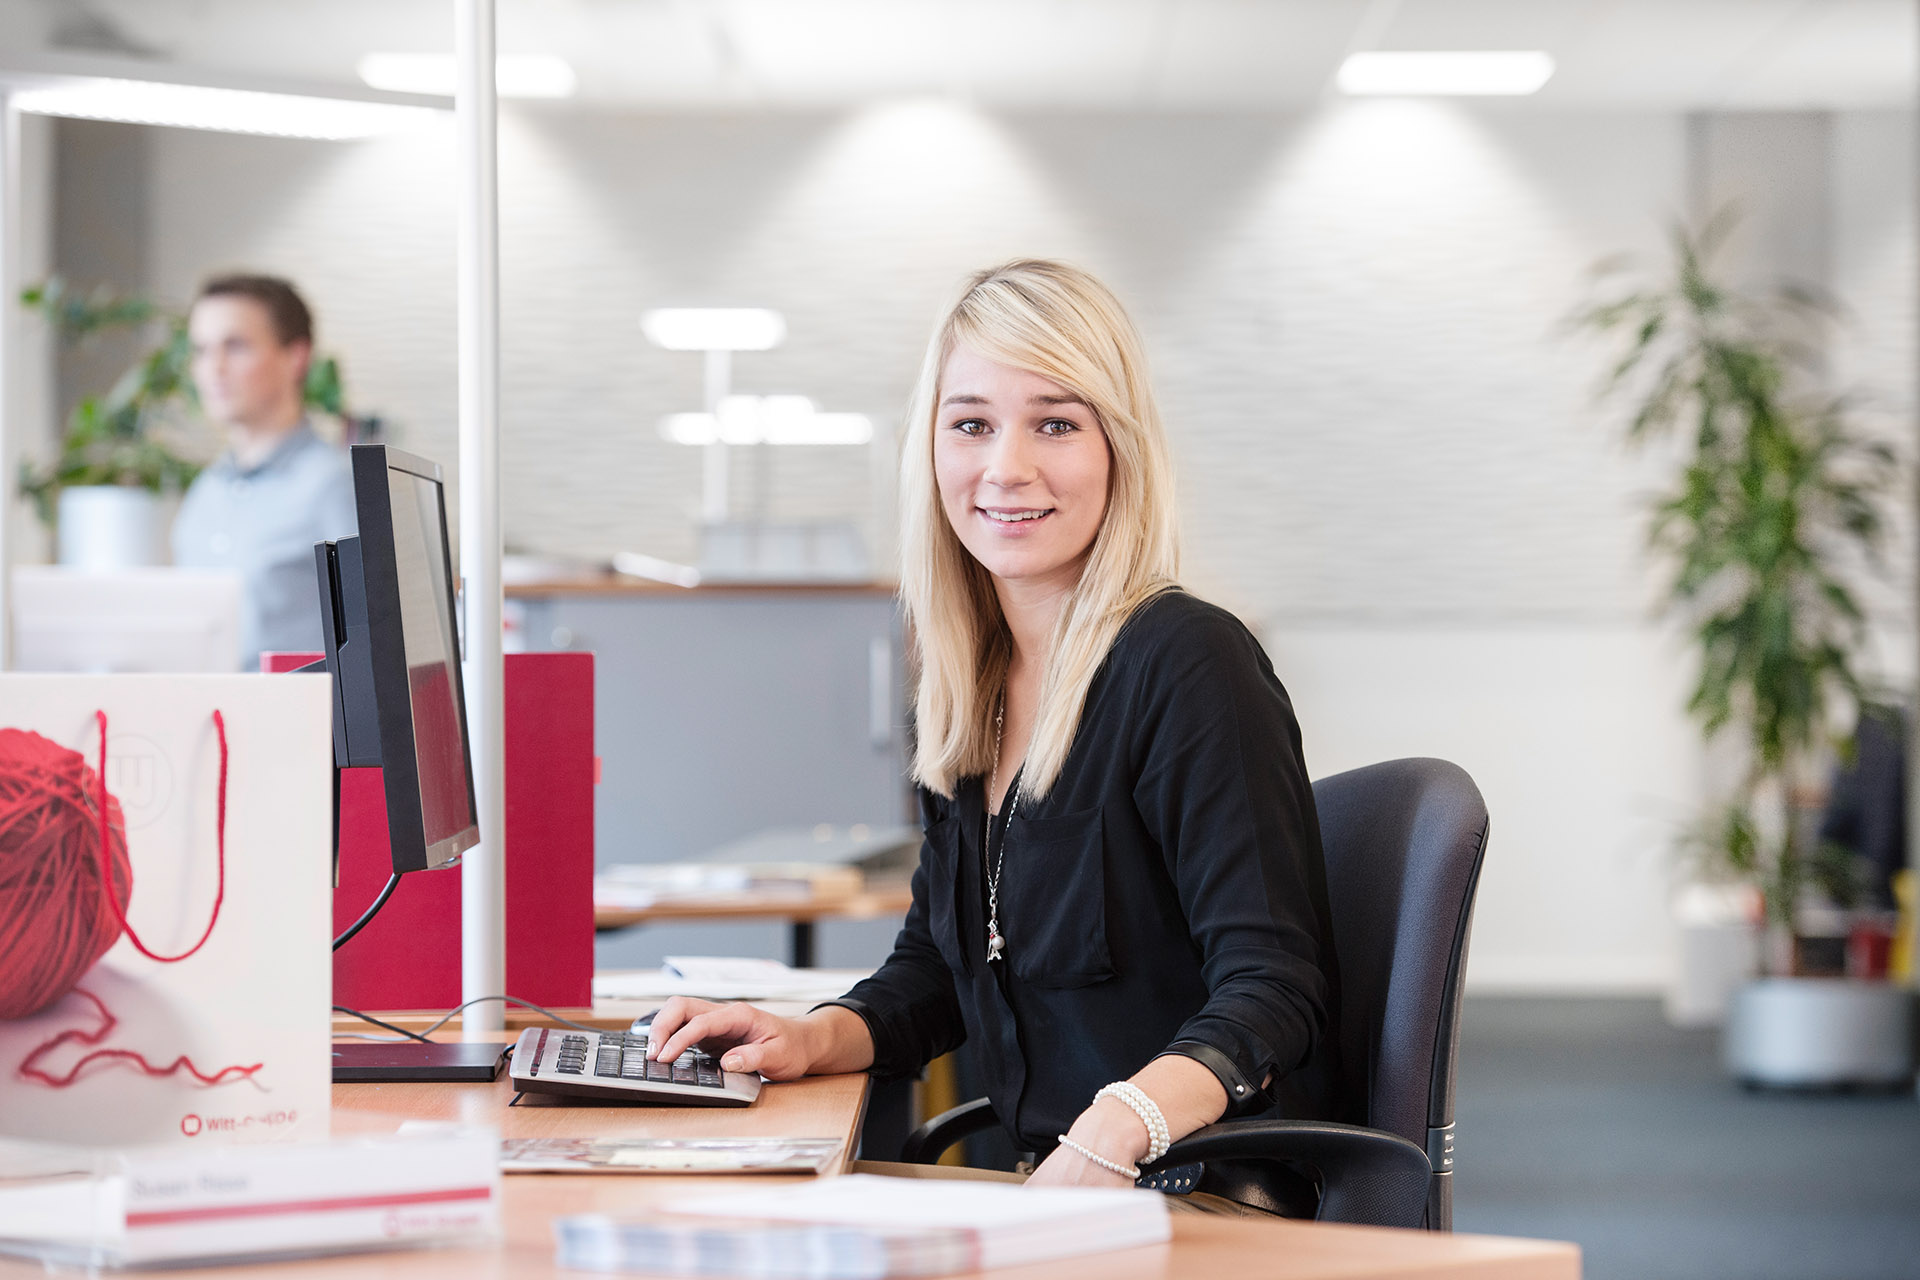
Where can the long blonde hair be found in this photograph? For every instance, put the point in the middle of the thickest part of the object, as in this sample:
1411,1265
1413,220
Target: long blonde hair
1054,320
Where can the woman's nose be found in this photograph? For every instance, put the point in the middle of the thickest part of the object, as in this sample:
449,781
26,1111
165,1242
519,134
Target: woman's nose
1010,461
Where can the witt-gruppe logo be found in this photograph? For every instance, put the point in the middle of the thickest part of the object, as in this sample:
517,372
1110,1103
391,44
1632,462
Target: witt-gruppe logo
192,1124
140,777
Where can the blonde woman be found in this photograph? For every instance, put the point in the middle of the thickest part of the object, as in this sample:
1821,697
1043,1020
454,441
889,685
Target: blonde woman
1121,890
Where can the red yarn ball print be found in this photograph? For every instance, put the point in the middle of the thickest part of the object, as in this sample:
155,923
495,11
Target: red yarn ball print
55,916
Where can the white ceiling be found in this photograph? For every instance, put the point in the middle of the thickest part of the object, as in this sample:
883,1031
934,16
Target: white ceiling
1181,55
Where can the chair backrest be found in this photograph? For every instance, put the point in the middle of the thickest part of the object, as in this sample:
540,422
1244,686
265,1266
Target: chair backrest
1403,841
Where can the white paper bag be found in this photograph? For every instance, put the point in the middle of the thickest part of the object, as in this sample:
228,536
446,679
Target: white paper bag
231,1043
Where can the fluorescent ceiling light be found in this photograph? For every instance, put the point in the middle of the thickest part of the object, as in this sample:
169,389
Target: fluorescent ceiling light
187,106
1492,73
826,428
515,75
767,420
715,328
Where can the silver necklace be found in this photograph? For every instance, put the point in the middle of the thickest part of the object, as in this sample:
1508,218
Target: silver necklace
995,942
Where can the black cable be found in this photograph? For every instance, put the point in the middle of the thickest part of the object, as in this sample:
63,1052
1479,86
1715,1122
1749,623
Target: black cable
367,1017
524,1004
372,911
454,1013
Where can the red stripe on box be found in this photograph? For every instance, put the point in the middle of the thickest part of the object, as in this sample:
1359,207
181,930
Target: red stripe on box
167,1217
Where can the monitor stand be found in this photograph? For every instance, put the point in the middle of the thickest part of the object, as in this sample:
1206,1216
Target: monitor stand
380,1062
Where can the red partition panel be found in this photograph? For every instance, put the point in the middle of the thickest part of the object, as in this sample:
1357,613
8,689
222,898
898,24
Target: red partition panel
409,957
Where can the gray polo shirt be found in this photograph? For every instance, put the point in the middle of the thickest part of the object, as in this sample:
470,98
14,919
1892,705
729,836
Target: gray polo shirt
262,523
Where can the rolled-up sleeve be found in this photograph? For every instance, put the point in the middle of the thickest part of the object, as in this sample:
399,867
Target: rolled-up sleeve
1222,786
909,1004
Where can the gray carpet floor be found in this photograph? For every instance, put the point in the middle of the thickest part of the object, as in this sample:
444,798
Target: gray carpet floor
1594,1121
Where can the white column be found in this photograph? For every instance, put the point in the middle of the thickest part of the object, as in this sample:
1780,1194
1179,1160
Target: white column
12,401
483,969
715,479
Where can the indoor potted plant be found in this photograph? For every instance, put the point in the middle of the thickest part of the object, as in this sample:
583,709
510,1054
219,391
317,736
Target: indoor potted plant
101,492
122,451
1780,497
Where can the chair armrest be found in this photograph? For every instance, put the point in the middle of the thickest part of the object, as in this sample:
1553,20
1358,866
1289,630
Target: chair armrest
930,1141
1367,1176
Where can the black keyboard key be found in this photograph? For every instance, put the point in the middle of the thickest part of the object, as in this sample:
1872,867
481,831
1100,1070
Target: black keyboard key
709,1077
633,1067
607,1063
659,1070
685,1073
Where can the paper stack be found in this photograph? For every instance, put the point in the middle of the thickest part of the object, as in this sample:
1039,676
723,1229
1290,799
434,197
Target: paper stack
174,1205
725,978
863,1227
669,1155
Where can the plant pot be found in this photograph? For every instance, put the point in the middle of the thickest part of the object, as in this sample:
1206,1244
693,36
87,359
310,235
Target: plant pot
109,527
1821,1033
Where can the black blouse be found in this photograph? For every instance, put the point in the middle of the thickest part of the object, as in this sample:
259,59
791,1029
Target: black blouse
1166,896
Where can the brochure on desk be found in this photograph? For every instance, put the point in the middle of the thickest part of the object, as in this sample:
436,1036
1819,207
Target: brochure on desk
862,1227
170,1205
163,922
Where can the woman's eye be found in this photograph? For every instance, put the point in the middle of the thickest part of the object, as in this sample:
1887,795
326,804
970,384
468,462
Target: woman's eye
1058,427
970,427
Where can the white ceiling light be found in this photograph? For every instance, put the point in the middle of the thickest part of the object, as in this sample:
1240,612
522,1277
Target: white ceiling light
515,75
186,106
715,328
747,420
1493,73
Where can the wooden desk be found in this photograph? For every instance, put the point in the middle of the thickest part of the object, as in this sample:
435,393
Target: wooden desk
878,899
831,1107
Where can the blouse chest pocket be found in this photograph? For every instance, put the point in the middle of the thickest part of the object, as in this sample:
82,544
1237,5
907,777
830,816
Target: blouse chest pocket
943,891
1053,900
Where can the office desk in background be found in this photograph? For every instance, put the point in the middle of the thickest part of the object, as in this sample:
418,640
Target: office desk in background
831,1107
720,711
876,899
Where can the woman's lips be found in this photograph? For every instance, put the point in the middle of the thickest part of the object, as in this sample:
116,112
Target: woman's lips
1026,518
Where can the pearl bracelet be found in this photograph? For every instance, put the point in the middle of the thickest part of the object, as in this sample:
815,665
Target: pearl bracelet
1124,1170
1158,1139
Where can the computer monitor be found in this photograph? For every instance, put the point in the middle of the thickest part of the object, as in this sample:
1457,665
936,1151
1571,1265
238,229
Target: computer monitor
393,650
125,620
392,647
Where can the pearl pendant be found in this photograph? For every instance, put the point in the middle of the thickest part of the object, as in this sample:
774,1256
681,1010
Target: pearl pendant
995,945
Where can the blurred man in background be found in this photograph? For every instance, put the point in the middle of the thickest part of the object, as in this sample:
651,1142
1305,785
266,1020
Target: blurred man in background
278,489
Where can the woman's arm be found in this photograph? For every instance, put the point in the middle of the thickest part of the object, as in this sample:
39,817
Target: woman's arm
893,1023
1222,786
1189,1096
827,1041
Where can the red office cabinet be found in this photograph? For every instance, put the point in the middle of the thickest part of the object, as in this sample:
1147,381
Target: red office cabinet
409,956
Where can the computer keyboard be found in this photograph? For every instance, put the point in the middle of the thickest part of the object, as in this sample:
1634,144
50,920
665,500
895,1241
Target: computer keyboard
612,1066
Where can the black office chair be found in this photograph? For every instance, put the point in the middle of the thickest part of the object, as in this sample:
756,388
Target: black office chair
1404,842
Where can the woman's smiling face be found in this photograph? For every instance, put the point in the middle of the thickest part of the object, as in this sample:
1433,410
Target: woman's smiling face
1022,465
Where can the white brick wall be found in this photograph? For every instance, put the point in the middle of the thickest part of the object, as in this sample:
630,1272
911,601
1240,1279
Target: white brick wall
1353,315
1875,268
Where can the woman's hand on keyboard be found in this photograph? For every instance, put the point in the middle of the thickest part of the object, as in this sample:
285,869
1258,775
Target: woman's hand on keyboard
743,1037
